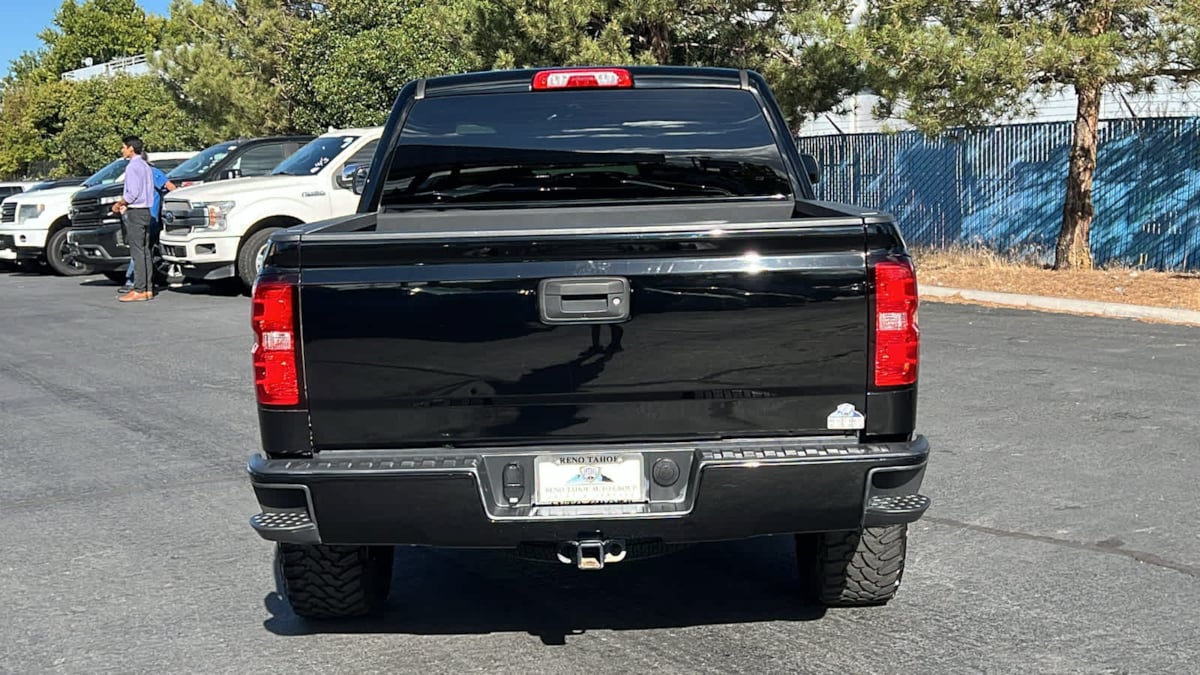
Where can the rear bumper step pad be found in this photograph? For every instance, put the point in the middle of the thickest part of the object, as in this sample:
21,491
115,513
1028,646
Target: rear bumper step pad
729,490
893,509
291,526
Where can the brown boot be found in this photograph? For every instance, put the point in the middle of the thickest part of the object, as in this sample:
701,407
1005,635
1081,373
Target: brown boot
135,296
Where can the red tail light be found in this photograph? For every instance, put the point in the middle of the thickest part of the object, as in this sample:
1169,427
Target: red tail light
276,371
897,338
583,78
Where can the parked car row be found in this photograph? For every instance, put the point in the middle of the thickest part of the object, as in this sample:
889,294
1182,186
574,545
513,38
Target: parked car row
220,230
231,197
97,240
34,224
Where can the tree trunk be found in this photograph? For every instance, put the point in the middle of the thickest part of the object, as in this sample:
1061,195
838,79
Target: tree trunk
660,42
1074,249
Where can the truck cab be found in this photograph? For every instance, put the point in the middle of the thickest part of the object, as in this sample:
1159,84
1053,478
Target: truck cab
96,238
34,225
218,231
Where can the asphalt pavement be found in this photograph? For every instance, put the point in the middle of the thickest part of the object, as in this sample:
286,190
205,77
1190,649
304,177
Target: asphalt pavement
1064,535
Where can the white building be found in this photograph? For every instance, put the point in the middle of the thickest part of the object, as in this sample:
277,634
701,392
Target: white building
129,65
1169,101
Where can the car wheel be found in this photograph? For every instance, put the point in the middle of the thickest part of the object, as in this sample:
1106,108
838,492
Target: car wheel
854,569
251,255
60,259
334,582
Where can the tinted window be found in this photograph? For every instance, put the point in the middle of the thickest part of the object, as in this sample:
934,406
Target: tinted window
586,145
313,157
166,164
108,174
201,162
364,154
8,190
259,160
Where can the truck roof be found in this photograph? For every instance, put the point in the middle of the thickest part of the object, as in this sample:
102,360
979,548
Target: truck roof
509,81
172,154
264,139
358,131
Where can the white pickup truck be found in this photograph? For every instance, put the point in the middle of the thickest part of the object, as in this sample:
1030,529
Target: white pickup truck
34,224
10,188
219,230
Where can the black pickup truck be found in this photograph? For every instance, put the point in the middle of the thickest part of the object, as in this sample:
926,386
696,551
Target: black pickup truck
586,316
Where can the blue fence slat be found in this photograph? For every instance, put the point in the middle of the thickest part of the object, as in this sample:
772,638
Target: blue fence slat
1003,187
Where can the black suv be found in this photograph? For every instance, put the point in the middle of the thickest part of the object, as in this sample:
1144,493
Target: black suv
96,238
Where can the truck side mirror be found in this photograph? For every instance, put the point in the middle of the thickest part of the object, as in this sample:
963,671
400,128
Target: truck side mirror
354,177
230,174
812,168
346,179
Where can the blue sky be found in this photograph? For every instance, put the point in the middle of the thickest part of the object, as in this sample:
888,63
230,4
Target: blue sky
24,19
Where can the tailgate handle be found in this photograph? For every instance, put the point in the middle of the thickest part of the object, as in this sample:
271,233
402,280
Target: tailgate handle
584,300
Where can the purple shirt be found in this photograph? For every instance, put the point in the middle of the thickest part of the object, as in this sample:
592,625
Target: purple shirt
139,184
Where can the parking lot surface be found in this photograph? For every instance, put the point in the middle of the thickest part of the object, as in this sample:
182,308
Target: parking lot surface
1064,534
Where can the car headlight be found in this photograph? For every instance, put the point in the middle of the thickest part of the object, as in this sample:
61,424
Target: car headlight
29,212
214,213
104,201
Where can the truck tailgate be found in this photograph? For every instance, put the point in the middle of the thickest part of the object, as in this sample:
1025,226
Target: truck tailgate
756,330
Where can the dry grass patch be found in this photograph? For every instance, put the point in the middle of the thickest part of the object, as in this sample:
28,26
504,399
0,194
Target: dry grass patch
985,270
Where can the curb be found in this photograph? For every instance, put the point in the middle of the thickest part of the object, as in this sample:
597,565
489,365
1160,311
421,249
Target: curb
1111,309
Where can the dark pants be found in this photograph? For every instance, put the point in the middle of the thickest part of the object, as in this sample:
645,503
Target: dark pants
154,232
137,233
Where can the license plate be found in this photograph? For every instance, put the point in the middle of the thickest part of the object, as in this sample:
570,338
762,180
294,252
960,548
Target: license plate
591,478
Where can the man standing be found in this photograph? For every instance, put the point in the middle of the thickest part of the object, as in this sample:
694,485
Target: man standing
162,185
134,205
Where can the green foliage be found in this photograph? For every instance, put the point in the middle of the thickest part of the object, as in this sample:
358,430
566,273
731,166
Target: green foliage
101,30
355,55
811,65
26,69
32,116
42,118
249,67
78,125
235,68
800,45
99,112
226,62
947,63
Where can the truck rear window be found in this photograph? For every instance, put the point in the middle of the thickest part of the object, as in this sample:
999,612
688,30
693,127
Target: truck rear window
569,146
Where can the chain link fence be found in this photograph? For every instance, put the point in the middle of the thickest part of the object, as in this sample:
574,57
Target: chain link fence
1003,187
